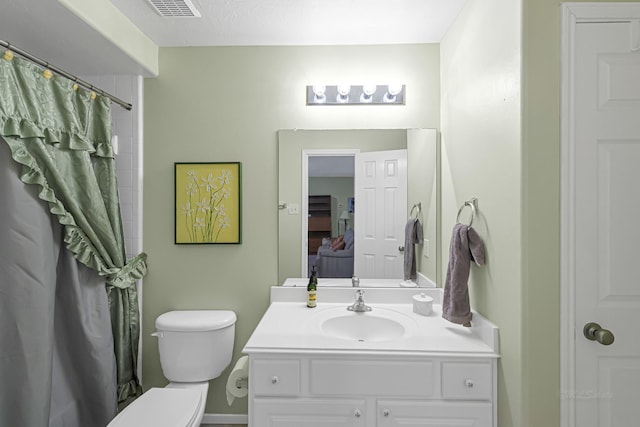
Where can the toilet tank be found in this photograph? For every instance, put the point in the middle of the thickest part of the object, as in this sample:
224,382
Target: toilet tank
195,345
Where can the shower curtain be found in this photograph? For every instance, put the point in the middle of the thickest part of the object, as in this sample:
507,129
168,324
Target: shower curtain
69,322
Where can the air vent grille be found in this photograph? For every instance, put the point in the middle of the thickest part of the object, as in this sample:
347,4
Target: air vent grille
175,8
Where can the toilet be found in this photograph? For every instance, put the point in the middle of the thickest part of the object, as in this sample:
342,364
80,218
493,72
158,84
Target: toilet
195,347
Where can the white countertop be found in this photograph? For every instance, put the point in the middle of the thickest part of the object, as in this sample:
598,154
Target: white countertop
421,282
289,325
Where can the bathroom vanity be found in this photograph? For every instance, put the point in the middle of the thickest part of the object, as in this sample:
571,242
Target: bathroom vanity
327,366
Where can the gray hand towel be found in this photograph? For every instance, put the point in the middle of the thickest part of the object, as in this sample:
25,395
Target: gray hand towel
412,236
466,246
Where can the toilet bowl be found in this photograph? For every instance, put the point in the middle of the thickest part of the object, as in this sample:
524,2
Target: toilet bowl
166,407
195,346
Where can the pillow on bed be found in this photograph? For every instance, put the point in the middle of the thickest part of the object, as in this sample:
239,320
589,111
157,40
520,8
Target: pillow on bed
338,244
348,238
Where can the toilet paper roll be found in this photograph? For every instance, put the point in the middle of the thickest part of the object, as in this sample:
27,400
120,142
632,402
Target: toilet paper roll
239,374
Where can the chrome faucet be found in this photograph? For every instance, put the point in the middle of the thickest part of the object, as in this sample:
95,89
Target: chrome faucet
355,282
359,306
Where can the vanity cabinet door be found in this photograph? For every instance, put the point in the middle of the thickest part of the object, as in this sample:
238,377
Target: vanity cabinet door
269,412
435,413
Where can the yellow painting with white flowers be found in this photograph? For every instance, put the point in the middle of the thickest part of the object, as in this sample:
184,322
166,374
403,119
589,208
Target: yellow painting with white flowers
208,199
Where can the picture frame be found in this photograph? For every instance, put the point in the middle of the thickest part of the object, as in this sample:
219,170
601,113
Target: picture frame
351,204
208,203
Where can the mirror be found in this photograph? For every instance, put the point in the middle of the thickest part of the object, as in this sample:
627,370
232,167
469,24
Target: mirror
295,147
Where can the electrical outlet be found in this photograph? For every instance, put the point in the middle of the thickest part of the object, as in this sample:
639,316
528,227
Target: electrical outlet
294,209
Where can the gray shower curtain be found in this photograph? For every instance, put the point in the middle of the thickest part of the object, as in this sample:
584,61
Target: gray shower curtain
69,320
57,362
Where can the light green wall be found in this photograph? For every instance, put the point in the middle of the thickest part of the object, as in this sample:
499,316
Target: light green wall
226,104
541,212
481,157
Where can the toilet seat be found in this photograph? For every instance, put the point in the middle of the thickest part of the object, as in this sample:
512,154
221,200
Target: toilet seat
162,407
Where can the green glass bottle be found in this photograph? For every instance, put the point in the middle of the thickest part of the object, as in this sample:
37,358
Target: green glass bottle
311,288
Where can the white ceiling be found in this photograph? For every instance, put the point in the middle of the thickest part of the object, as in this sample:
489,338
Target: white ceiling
297,22
50,31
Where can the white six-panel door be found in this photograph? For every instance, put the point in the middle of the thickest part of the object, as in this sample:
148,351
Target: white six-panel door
380,214
601,226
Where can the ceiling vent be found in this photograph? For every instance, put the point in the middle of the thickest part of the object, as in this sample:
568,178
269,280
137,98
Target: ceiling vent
175,8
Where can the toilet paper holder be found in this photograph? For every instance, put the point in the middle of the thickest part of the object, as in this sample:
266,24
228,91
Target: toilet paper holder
242,382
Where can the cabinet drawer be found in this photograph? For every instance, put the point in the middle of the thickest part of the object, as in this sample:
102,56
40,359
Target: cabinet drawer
470,381
275,377
442,414
292,412
372,378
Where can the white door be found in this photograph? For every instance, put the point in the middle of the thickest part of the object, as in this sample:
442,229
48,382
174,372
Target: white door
603,226
380,214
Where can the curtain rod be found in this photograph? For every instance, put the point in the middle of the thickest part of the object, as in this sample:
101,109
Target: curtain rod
63,73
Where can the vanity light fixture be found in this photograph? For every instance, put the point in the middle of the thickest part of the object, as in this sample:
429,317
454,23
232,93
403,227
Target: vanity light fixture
368,94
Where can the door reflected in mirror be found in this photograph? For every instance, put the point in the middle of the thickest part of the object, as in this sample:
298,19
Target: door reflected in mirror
322,201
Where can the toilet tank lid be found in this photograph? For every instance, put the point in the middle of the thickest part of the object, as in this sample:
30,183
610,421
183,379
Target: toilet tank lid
195,320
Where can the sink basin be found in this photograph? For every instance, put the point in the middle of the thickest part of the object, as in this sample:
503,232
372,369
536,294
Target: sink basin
363,327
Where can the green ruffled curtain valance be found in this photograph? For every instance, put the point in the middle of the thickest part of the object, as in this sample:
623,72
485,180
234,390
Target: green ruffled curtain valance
61,135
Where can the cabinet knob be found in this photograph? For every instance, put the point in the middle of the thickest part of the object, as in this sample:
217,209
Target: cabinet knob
386,412
357,413
274,379
468,383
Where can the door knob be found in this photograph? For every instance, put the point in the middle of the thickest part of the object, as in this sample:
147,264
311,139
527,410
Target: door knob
594,332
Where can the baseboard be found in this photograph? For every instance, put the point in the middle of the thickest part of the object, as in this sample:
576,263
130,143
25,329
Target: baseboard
225,419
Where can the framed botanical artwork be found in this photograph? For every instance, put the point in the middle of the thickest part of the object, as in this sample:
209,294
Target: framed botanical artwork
208,203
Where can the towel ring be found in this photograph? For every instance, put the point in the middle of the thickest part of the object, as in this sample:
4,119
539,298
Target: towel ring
472,204
417,207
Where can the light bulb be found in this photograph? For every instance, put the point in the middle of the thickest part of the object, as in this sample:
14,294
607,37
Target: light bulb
392,91
343,90
369,89
319,93
343,93
319,90
367,93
